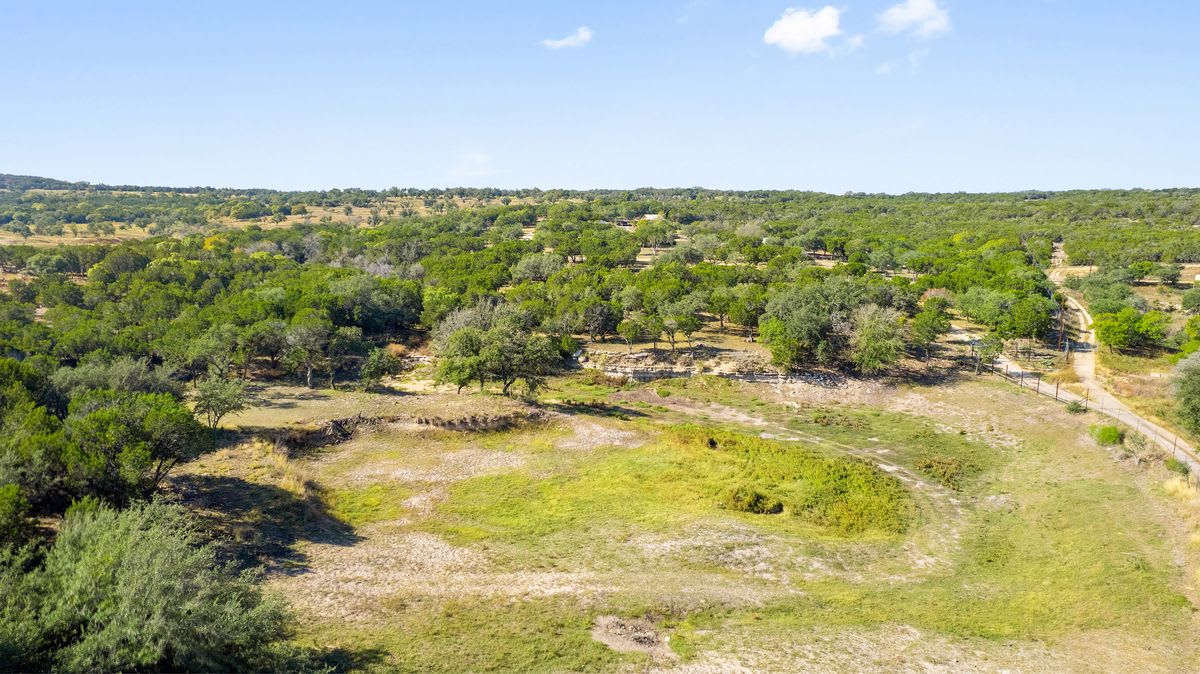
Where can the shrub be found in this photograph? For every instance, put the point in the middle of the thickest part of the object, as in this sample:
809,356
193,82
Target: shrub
749,500
123,374
135,590
947,470
15,525
1176,466
1107,436
379,363
123,445
596,377
1076,407
1187,392
217,397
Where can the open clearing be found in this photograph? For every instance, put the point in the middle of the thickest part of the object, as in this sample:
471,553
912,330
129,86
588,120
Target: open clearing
963,527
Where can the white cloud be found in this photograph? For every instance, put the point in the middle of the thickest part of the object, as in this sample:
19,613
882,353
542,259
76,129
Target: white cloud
580,37
855,41
800,31
923,17
884,68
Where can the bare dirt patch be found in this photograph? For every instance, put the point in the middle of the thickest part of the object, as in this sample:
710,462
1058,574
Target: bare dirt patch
359,583
452,466
588,434
954,418
635,635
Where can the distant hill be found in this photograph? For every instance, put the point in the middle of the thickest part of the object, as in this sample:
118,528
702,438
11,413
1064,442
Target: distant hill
361,196
10,181
14,182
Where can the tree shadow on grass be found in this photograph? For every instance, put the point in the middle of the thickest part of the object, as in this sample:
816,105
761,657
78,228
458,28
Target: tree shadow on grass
938,376
594,408
263,395
259,525
351,660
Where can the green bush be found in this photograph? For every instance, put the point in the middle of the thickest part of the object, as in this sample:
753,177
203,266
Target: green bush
134,590
748,500
378,364
15,524
947,470
1107,436
1076,407
1176,466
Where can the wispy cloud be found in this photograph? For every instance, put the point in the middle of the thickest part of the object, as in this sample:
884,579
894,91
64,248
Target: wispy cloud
914,59
580,37
689,8
800,31
922,17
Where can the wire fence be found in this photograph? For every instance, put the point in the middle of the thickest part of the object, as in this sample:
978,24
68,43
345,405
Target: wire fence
1168,441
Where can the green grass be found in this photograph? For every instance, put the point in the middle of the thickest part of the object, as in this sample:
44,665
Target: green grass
477,635
1064,563
588,386
1107,436
1069,554
665,485
1068,562
1130,363
1055,540
375,503
911,441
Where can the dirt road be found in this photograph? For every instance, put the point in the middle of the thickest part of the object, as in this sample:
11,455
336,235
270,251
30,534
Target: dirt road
1099,399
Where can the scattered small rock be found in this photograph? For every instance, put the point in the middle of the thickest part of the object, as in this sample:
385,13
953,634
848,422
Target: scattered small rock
632,636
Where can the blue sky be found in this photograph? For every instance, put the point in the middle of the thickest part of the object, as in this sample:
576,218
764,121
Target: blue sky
864,95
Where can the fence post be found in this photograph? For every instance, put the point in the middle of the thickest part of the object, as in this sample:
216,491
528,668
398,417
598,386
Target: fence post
1087,394
1056,389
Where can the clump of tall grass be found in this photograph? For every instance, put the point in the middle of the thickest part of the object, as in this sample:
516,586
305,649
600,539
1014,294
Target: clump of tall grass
850,496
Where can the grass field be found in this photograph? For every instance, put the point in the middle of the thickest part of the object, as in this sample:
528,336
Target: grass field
720,526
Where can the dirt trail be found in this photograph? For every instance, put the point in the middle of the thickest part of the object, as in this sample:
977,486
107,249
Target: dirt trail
1098,398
